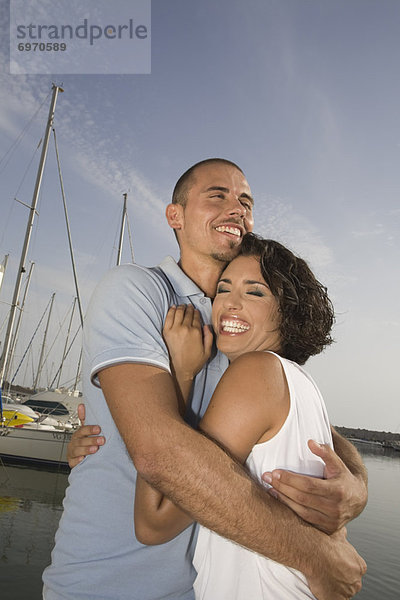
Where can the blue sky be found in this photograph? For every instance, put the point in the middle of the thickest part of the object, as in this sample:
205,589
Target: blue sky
302,94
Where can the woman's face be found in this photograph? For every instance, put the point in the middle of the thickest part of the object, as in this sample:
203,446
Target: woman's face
245,313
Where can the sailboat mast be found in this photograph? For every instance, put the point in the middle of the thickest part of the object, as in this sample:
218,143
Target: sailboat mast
121,235
32,212
66,343
78,296
3,267
40,365
7,366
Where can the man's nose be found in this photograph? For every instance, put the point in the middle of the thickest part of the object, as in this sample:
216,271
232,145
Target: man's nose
236,207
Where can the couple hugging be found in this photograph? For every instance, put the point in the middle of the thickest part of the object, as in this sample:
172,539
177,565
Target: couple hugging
192,430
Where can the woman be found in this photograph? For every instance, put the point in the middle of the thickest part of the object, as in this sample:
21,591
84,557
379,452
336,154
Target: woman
269,315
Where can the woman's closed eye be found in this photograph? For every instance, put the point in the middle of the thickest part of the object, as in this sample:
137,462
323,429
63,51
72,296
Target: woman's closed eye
222,289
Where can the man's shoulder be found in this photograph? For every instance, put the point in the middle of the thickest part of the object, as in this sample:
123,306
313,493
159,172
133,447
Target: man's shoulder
133,278
132,271
130,291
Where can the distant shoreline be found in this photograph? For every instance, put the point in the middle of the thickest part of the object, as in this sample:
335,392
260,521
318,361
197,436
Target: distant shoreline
384,439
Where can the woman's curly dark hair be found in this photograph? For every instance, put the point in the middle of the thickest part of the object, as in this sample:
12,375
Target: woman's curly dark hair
306,312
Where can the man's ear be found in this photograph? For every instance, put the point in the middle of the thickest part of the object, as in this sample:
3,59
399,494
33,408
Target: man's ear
174,214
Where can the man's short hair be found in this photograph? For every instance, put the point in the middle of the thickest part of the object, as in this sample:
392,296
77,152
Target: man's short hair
179,195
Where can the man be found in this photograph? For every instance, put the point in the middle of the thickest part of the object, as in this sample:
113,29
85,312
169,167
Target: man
96,554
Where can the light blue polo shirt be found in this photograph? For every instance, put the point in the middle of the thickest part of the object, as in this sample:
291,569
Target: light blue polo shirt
96,555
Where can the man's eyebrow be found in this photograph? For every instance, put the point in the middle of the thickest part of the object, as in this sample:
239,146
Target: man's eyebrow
220,188
217,188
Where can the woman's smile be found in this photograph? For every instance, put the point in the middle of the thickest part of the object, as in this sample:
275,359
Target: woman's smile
233,325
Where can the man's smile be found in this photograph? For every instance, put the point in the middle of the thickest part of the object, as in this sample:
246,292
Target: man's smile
231,229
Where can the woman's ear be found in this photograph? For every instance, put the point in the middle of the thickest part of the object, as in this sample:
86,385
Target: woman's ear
174,214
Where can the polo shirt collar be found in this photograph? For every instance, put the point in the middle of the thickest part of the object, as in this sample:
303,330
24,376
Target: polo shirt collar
181,283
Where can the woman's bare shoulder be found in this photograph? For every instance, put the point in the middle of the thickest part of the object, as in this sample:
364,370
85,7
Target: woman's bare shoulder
258,363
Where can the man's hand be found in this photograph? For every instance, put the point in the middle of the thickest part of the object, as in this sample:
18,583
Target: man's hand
338,576
83,441
327,503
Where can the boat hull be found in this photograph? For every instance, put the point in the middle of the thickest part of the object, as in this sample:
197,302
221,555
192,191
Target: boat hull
28,444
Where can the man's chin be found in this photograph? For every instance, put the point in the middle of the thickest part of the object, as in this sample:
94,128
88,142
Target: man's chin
226,255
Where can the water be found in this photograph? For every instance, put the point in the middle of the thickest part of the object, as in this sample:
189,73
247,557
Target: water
30,508
376,532
31,505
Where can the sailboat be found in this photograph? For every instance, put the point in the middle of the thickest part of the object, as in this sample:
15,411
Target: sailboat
24,437
45,438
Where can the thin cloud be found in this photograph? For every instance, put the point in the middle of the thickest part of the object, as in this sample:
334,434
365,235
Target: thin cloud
104,172
280,221
97,160
376,231
380,225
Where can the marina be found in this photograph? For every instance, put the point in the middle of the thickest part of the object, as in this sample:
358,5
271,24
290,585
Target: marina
36,429
34,445
31,506
44,438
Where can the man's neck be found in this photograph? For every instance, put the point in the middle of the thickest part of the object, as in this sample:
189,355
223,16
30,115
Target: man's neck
203,271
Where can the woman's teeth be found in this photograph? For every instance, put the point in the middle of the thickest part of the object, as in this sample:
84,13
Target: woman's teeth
234,327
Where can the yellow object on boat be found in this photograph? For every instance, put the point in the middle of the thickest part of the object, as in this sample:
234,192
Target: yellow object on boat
12,418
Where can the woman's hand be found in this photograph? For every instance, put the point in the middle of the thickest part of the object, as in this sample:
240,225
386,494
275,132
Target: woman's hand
84,440
189,342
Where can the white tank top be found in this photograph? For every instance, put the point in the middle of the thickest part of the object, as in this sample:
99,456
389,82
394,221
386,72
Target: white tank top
229,571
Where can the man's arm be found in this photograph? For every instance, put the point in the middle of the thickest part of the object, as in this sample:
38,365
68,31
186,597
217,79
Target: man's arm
213,489
327,503
350,456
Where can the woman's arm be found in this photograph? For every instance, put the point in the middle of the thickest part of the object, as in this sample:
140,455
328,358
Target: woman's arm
249,405
236,419
157,519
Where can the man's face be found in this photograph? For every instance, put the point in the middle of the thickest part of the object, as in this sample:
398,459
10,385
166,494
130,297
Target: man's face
218,212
